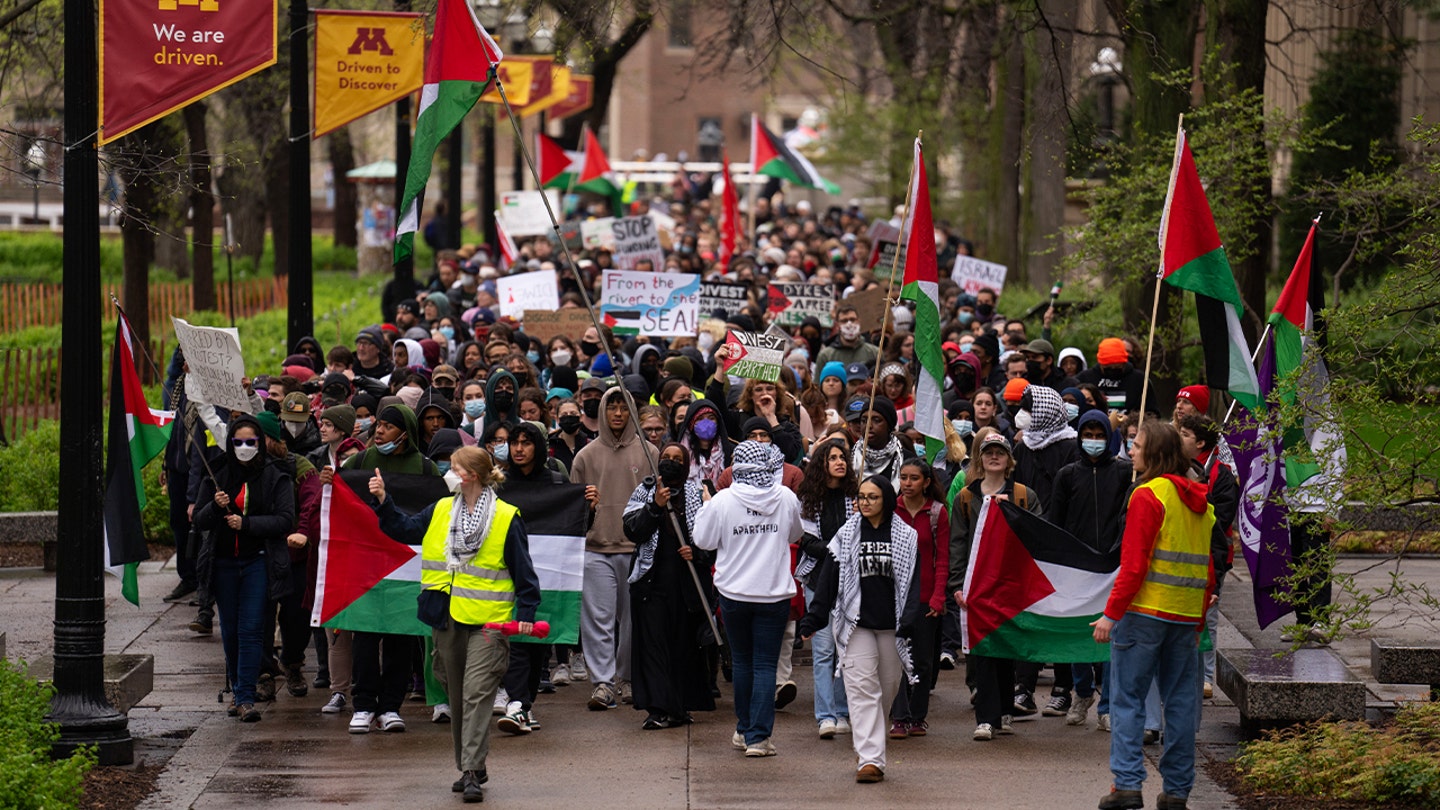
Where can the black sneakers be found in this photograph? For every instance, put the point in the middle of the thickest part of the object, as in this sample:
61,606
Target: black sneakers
181,591
1058,706
1024,704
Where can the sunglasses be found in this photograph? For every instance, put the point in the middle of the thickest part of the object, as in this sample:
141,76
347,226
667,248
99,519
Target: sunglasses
245,442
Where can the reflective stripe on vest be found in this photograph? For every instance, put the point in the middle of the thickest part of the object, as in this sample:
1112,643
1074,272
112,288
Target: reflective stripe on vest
1174,587
482,590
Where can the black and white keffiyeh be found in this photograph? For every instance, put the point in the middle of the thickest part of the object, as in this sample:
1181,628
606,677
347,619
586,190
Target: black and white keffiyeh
805,565
757,464
1048,422
845,615
885,462
639,499
468,528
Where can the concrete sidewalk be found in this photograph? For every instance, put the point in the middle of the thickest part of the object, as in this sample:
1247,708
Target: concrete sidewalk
601,759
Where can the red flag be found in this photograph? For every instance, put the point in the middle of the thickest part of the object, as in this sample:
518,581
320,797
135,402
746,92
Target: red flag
729,213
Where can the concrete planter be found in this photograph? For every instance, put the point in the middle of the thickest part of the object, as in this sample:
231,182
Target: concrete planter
32,527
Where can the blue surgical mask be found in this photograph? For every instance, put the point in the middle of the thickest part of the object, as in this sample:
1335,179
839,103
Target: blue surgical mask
387,448
475,408
533,356
966,318
1093,448
364,423
1072,411
1129,445
448,332
964,427
501,452
443,466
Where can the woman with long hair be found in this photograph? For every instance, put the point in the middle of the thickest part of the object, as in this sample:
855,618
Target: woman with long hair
988,412
476,570
1153,617
922,506
827,501
896,386
867,591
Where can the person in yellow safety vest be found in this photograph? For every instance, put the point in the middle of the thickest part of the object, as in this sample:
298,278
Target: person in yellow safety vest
473,548
1154,616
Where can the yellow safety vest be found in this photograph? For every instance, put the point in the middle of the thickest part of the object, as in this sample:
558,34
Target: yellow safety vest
481,591
1174,587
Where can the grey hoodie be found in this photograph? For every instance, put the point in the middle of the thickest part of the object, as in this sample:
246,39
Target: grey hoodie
615,465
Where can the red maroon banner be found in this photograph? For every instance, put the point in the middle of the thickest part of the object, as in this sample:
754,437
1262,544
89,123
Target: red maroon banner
156,56
582,96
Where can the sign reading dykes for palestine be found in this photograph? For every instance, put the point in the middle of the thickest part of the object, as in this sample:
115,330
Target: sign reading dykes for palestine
156,56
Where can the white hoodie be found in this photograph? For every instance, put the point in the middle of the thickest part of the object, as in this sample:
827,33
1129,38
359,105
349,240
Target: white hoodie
751,528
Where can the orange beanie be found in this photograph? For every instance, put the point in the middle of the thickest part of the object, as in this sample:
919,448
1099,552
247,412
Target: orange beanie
1015,389
1112,352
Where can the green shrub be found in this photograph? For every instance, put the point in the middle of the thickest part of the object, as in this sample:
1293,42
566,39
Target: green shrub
29,778
31,482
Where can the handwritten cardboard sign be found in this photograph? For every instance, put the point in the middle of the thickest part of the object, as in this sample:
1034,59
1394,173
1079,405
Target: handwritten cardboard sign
542,325
527,291
636,239
792,303
754,356
214,358
972,274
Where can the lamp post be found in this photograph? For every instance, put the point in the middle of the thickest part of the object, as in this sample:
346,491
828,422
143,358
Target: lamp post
35,166
301,287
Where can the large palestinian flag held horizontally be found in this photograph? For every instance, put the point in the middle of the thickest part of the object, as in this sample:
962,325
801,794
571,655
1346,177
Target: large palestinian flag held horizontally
1033,589
556,516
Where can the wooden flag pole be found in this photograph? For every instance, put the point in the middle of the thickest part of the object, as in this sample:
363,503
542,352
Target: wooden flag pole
1160,271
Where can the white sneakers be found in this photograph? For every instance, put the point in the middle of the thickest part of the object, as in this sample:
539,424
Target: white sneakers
441,713
842,725
560,675
1079,709
984,733
502,700
577,667
1102,723
360,722
514,720
390,721
827,729
763,748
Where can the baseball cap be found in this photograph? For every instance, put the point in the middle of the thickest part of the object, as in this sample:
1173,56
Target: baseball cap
295,407
856,372
995,440
1044,347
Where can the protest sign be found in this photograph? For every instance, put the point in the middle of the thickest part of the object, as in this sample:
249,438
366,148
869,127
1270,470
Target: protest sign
636,239
527,291
570,234
523,212
792,303
658,304
725,295
214,360
885,252
972,274
755,357
870,305
542,325
596,233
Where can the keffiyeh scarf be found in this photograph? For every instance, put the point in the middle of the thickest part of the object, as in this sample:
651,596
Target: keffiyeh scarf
645,552
1048,423
845,615
757,464
468,528
884,462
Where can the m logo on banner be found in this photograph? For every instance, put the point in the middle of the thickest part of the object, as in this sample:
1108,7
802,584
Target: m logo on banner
174,5
370,39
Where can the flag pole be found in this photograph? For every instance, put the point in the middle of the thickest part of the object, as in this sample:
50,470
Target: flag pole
750,193
1160,272
144,350
886,315
600,332
570,182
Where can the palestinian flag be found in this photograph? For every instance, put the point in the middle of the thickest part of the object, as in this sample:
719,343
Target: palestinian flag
922,287
1192,258
509,254
137,435
460,66
1314,447
557,166
596,176
770,156
555,516
1033,589
729,214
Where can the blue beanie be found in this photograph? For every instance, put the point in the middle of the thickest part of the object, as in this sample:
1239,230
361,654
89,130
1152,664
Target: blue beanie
601,367
833,369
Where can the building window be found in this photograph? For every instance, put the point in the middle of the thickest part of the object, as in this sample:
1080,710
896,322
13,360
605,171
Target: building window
679,17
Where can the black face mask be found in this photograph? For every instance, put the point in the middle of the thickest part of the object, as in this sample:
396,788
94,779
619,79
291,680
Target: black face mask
570,423
1033,372
591,407
672,473
984,310
502,400
590,349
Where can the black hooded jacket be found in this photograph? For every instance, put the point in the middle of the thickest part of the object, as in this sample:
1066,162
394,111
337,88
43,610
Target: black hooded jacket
1121,382
698,407
1088,497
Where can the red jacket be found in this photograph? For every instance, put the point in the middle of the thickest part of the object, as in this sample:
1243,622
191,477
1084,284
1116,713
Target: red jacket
1143,519
932,550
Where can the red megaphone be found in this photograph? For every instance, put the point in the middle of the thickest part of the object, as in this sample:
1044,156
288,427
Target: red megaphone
542,629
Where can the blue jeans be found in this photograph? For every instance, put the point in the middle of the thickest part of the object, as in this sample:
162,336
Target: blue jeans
830,703
1145,650
239,587
755,630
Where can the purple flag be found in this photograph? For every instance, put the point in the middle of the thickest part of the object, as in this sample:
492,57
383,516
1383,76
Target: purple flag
1263,519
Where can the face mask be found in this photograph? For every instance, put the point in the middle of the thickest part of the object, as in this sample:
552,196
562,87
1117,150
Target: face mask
1022,420
570,423
501,453
443,466
849,331
246,453
533,356
965,347
475,408
1093,447
448,332
706,342
589,348
1072,411
984,310
672,472
452,480
387,448
706,429
364,423
1129,445
503,400
561,357
295,428
966,318
964,427
591,407
1033,372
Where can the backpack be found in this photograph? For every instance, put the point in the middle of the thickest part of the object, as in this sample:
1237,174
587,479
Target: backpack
1021,497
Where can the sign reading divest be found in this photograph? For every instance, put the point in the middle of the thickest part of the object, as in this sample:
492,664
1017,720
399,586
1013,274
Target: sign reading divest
754,356
364,61
156,56
527,291
214,359
972,274
636,239
792,303
659,304
724,295
545,324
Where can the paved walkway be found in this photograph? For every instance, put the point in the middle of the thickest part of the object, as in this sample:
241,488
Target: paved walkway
603,759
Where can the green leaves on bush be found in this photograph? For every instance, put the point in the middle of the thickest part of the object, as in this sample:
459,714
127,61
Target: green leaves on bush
31,482
29,778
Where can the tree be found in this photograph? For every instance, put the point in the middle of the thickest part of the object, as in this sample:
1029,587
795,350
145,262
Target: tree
584,32
202,208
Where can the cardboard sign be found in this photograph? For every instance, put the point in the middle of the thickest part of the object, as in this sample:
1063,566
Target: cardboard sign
527,291
523,212
885,242
636,238
657,304
726,295
755,357
870,305
542,324
364,61
972,274
213,355
596,233
792,303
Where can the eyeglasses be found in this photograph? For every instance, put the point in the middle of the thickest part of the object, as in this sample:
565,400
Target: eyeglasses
245,442
653,431
868,498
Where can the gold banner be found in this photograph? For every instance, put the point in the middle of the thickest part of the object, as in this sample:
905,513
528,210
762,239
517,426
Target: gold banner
515,73
559,92
364,61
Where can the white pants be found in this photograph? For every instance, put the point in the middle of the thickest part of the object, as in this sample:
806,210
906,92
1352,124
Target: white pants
872,671
785,667
605,617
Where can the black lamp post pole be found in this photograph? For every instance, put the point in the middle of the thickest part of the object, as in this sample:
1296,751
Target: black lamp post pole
302,288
